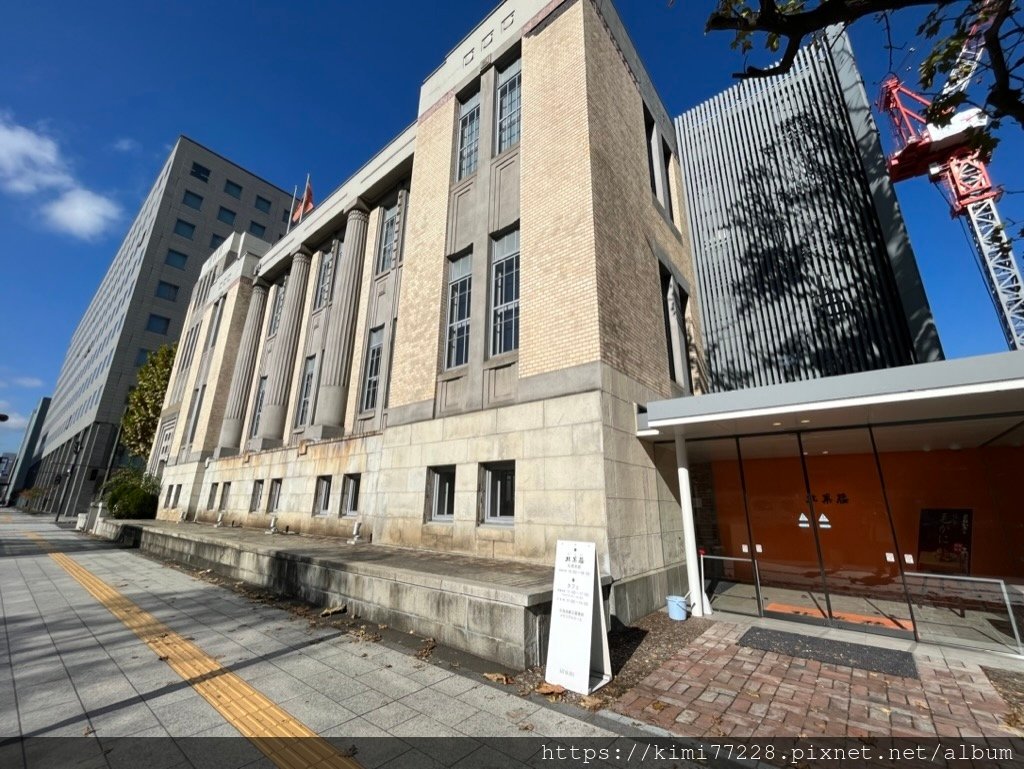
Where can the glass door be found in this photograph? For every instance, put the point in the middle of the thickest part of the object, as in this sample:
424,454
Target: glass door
855,533
782,525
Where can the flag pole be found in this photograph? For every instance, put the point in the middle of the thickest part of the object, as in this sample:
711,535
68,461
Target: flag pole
291,210
302,213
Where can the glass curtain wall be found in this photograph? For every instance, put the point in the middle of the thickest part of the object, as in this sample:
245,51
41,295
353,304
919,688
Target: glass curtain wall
915,529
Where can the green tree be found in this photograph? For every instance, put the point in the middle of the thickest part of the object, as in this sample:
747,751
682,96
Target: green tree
131,493
785,24
138,426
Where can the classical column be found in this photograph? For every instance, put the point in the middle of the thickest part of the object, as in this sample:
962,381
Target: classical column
341,327
282,355
241,379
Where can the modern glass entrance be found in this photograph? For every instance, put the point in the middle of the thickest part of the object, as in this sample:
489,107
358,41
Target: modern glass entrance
823,541
909,529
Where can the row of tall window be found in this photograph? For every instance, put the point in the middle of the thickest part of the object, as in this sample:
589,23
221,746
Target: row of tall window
503,301
508,102
502,321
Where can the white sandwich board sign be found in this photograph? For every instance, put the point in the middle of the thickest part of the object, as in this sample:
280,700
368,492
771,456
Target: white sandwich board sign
578,656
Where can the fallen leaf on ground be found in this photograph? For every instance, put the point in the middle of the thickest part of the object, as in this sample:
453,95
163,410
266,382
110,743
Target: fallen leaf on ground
498,678
658,706
546,688
427,649
334,610
526,727
591,703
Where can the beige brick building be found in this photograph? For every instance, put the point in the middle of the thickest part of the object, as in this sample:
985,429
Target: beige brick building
448,352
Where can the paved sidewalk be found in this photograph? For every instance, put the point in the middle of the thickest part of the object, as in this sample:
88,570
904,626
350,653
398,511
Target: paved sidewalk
715,688
69,667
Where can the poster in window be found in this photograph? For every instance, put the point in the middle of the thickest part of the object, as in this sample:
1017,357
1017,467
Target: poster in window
944,541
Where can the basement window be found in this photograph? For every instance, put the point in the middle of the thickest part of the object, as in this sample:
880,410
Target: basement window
322,498
441,492
257,496
350,494
274,499
499,492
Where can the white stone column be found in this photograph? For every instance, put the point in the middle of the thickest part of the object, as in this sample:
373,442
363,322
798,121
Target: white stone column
341,326
241,379
689,530
282,357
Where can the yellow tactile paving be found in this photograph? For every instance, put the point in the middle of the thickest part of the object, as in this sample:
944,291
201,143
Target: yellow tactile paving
270,728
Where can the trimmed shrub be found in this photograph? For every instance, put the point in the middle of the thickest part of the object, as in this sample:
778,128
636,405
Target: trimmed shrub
131,493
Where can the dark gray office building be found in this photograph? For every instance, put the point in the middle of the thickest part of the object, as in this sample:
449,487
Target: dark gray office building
196,202
803,260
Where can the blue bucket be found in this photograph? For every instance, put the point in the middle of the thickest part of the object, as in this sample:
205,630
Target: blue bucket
678,606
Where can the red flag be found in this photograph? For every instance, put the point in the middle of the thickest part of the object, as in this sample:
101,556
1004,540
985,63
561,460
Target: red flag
305,205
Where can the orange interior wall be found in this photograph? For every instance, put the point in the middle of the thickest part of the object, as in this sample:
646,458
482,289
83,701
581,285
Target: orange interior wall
983,480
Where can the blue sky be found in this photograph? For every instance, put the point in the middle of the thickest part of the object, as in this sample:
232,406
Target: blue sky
94,95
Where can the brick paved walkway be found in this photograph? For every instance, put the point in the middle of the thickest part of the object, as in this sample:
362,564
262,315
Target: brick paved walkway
715,688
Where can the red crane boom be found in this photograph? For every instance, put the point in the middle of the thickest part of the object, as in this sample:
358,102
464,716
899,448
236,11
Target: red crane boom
949,157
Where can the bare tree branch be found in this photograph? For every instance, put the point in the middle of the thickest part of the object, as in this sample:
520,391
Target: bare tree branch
792,48
803,23
1004,98
795,21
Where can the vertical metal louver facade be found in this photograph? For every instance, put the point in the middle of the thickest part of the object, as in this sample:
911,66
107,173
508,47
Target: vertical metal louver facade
803,260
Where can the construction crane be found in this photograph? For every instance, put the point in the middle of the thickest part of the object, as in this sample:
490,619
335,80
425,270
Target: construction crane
950,159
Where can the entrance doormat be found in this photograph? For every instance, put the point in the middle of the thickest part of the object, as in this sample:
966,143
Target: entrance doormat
880,660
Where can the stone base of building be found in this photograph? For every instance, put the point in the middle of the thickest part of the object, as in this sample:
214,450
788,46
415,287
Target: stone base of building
639,596
500,611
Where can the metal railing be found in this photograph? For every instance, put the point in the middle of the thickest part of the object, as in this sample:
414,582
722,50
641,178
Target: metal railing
1005,594
727,558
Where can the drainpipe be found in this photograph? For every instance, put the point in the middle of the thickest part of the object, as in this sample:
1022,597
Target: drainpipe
689,530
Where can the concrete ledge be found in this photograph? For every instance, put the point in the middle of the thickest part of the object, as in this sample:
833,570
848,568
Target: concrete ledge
498,610
639,596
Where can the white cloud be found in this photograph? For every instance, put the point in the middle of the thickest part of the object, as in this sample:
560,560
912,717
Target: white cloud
32,163
29,161
27,381
81,213
15,422
126,144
